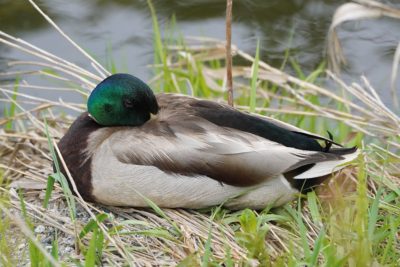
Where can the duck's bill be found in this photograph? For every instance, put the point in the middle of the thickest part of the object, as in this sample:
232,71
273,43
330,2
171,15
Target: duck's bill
153,116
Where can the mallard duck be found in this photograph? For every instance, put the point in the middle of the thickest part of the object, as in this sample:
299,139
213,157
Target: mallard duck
180,151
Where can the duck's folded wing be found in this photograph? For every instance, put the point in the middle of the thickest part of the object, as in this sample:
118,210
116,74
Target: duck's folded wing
224,154
226,116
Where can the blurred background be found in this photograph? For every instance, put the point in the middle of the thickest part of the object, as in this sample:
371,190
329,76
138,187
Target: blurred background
122,31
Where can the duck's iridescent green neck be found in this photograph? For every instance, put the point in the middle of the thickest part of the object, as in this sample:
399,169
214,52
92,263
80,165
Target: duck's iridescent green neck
122,100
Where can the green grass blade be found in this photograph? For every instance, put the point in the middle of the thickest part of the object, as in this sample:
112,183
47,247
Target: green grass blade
49,190
303,232
207,250
11,111
373,214
158,45
92,224
54,247
36,257
156,232
313,207
59,177
317,249
90,256
159,211
254,79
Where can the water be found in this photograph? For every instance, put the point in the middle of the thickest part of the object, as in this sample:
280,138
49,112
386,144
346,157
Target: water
125,28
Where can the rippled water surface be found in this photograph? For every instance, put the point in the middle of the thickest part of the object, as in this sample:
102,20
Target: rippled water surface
125,28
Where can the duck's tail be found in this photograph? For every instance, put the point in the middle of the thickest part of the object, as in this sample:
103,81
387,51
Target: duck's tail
310,175
323,168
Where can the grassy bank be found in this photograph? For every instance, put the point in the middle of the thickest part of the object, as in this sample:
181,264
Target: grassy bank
353,220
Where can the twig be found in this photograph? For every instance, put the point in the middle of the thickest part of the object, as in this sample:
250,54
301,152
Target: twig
229,83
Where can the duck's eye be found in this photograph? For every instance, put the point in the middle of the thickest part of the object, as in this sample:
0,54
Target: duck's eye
128,103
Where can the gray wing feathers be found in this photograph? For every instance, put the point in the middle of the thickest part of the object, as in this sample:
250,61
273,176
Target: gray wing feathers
227,155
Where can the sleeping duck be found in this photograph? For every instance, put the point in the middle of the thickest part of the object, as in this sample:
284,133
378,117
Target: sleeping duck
180,151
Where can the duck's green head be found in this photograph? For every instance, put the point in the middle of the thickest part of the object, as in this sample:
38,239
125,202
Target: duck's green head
122,100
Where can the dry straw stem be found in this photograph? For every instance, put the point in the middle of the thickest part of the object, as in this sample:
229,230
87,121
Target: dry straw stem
98,67
360,9
229,83
40,53
393,78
